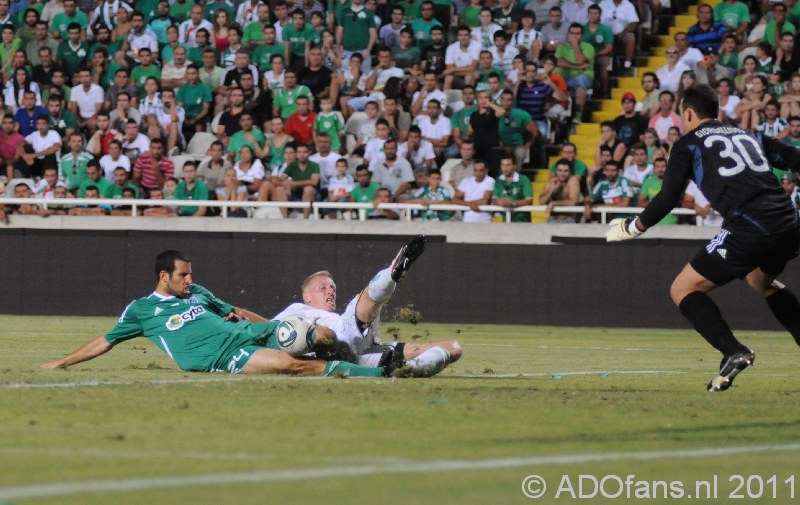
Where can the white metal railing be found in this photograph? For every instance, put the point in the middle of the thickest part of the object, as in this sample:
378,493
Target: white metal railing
404,209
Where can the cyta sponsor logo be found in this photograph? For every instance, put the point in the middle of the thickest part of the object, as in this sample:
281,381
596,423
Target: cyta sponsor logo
177,321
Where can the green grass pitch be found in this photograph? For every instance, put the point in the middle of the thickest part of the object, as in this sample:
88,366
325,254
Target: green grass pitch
129,428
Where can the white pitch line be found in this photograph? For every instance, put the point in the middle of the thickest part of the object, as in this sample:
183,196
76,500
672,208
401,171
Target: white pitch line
135,484
567,374
96,383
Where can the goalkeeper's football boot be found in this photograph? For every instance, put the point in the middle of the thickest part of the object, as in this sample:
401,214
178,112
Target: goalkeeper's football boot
406,256
731,367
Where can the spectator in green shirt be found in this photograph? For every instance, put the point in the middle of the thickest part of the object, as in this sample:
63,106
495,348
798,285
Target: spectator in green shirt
95,178
365,188
356,32
190,188
145,69
120,183
512,189
297,37
652,186
73,53
195,98
61,21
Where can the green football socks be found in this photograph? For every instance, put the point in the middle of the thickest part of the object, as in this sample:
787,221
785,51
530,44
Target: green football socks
334,368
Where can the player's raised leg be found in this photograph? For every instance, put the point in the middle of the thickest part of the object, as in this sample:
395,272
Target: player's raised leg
382,286
689,292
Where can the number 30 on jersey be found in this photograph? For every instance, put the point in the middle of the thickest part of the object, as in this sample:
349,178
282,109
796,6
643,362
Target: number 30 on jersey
735,149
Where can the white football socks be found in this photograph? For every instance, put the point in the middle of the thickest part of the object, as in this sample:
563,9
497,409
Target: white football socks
381,286
430,362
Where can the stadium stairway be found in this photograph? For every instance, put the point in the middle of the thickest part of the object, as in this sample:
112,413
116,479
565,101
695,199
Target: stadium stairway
584,135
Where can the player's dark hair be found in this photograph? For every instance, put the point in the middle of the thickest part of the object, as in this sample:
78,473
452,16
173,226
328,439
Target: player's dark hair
165,262
702,99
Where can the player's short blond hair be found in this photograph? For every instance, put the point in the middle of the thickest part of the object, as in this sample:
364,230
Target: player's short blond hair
321,273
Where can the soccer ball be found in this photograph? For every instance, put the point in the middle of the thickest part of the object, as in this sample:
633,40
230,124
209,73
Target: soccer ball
296,335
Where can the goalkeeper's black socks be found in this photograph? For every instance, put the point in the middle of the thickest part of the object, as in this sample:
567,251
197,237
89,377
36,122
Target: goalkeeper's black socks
706,318
786,308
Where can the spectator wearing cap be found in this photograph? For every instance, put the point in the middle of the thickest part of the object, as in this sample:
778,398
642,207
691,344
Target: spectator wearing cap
706,32
666,117
630,125
709,71
669,76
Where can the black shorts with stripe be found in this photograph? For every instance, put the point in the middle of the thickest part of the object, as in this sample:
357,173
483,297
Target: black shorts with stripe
731,255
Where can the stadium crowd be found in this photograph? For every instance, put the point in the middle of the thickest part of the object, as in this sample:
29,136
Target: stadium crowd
365,101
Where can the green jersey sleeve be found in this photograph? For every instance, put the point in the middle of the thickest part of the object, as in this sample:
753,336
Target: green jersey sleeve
128,326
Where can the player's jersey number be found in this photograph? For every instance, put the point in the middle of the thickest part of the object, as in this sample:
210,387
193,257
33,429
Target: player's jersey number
735,150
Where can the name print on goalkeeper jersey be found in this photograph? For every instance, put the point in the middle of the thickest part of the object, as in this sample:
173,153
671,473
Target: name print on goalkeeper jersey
732,167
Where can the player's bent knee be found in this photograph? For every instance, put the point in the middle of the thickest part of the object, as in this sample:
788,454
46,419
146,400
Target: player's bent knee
453,348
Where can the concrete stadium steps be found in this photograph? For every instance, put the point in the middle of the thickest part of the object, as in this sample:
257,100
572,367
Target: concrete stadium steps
585,135
540,176
586,157
682,23
585,130
539,180
602,115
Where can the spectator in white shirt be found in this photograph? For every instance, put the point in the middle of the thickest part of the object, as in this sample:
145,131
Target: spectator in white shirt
502,54
138,37
429,91
475,191
114,159
621,17
418,151
188,29
461,60
435,127
40,150
669,76
86,100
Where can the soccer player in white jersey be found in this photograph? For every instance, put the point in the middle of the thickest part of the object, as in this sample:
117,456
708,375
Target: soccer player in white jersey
357,328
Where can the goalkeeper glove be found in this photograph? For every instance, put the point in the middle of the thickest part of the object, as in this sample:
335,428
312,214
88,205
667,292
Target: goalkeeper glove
622,229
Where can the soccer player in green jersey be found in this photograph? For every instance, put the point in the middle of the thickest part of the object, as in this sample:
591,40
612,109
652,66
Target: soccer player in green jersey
202,333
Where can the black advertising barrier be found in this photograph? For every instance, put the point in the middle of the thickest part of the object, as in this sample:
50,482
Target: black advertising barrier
582,283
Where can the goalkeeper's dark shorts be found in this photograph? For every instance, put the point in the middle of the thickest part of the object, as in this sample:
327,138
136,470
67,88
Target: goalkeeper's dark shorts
732,255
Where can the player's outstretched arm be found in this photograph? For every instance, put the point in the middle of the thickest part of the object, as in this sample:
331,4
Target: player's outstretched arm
623,229
87,351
